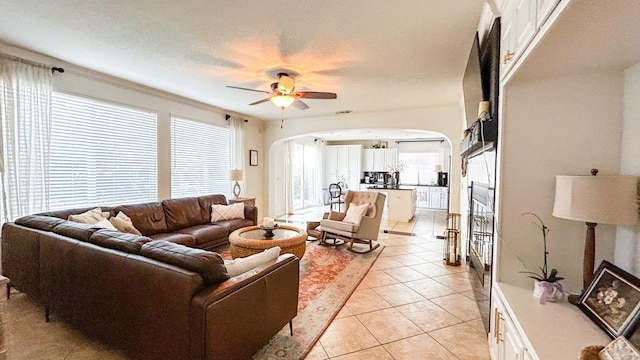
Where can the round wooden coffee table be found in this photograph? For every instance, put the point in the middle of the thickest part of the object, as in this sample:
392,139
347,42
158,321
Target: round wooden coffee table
251,240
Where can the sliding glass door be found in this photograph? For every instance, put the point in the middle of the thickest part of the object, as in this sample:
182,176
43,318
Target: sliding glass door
305,174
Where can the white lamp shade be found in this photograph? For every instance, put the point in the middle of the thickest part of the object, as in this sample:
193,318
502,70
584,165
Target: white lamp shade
437,168
282,101
597,199
236,175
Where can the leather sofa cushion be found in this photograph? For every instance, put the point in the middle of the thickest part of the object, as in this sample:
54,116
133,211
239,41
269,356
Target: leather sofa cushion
206,263
178,238
205,233
46,223
234,224
206,202
75,230
148,218
118,240
182,213
64,214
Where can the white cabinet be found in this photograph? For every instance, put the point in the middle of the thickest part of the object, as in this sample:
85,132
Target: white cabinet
402,205
544,8
342,163
518,28
432,197
379,159
505,343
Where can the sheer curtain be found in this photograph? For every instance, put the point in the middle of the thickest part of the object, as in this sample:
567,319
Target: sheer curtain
319,176
25,116
288,173
237,146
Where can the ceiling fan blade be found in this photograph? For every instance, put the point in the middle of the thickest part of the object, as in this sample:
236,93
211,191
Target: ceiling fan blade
241,88
300,104
315,95
260,101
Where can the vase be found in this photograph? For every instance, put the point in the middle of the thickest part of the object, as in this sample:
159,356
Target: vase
392,180
547,291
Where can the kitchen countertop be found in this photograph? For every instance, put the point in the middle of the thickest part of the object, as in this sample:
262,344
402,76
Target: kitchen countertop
382,186
389,187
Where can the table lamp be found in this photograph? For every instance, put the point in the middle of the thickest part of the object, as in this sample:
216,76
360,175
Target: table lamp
595,200
236,175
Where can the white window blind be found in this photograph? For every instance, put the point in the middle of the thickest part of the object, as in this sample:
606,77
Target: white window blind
200,159
419,167
101,154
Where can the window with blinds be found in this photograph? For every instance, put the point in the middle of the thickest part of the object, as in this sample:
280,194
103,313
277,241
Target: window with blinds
200,159
101,153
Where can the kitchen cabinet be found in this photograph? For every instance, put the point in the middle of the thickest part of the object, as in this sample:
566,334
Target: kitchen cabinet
401,203
342,163
518,28
379,159
544,8
432,197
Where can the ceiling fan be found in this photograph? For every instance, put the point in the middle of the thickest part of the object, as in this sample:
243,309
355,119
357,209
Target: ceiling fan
282,94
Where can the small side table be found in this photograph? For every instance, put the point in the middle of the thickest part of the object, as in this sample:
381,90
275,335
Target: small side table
246,201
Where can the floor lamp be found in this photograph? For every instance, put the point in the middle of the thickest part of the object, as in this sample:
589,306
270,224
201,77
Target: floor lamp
595,200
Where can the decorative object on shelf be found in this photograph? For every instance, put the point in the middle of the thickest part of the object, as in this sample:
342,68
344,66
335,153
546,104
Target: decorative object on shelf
383,144
253,157
612,300
236,175
546,284
451,252
619,349
595,199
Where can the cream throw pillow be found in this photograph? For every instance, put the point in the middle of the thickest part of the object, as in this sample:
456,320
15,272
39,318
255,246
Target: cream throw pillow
89,217
227,212
355,213
105,224
124,224
242,265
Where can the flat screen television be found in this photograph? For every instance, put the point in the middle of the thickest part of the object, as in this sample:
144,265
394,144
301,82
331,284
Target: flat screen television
472,88
480,83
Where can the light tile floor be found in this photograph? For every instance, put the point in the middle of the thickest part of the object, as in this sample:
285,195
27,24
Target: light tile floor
410,305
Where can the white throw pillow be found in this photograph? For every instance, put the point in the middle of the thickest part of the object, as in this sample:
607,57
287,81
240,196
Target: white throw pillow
355,213
242,265
124,224
105,224
227,212
89,217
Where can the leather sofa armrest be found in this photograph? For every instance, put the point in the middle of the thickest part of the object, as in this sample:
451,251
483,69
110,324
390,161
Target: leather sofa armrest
251,213
218,291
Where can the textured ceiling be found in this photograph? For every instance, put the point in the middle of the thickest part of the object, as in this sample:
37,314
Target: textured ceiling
375,54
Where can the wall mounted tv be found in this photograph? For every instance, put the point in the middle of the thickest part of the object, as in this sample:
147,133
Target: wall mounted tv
481,83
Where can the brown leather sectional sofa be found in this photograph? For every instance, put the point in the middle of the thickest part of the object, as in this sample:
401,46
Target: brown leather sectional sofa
105,283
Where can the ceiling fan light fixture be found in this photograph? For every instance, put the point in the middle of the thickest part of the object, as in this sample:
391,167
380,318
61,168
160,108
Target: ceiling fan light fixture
282,101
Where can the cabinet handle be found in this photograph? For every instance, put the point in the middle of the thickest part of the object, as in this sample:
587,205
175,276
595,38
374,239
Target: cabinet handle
496,322
508,56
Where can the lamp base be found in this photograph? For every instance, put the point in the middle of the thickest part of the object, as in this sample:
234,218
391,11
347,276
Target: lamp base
236,190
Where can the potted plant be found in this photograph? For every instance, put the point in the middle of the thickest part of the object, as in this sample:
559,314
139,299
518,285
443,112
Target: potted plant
546,283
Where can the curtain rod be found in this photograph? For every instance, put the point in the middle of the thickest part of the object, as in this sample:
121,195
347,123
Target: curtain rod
34,63
419,140
227,117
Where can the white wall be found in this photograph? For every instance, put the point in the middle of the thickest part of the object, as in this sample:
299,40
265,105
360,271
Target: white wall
444,120
84,82
627,252
557,126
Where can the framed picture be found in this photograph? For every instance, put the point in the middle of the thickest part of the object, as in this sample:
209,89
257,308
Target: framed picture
619,349
612,300
383,144
253,157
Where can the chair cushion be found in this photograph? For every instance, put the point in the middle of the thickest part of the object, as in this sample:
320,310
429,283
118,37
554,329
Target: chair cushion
206,263
182,213
242,265
205,233
148,218
328,225
355,213
178,238
364,197
235,224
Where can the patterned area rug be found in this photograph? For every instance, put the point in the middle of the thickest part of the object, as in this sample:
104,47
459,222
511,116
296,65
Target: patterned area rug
328,276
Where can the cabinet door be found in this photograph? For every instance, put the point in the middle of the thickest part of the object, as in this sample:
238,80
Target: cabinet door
330,159
507,39
544,9
525,18
444,199
512,346
390,156
355,157
379,160
367,164
343,160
